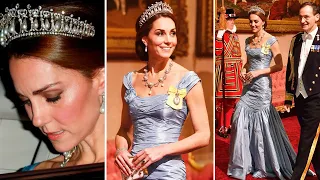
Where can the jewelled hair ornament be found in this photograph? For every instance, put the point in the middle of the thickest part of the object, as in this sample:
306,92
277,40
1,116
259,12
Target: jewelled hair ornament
256,9
158,7
16,23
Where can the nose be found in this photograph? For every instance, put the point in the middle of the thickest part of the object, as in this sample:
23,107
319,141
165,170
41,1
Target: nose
168,39
37,113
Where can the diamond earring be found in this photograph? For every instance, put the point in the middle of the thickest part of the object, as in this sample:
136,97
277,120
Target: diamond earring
102,107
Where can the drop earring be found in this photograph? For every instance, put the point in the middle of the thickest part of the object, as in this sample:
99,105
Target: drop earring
146,49
102,107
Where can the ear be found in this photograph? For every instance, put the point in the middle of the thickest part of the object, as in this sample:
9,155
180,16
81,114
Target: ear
99,80
317,17
145,40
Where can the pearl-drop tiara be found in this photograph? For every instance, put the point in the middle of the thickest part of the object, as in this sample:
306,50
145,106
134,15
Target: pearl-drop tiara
16,23
158,7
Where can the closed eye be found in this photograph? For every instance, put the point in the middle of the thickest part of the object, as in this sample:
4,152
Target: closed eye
26,102
54,99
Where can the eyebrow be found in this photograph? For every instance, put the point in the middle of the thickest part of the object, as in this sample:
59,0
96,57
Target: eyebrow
44,88
164,30
41,89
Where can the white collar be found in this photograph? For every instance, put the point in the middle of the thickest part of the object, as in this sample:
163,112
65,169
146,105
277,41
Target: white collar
312,33
233,30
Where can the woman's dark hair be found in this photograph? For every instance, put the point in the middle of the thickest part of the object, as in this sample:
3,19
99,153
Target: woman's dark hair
144,31
85,55
262,17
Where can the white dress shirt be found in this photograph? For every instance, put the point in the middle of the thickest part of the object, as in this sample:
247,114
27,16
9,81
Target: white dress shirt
305,49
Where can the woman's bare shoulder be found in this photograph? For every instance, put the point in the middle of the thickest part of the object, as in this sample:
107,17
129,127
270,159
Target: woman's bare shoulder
179,71
179,68
137,73
141,70
51,163
268,35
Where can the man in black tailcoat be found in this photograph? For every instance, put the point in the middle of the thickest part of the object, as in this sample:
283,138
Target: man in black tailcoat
303,84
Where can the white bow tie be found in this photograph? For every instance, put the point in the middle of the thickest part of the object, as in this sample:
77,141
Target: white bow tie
306,36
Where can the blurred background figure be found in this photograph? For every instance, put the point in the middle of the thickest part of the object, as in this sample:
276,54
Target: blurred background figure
121,5
228,65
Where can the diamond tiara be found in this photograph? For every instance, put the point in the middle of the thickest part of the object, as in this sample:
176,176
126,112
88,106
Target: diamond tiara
158,7
256,9
16,23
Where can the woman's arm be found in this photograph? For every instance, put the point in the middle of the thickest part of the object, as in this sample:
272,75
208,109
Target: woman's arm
244,70
122,140
245,65
199,116
200,138
275,49
122,137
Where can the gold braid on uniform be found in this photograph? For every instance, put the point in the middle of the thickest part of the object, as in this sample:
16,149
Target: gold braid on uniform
291,59
312,149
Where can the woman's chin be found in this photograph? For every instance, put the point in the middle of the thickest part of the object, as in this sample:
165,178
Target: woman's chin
62,148
165,55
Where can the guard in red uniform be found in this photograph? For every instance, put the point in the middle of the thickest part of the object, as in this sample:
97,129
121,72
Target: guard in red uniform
228,66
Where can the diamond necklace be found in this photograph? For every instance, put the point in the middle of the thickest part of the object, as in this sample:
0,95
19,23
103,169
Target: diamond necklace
255,44
67,156
150,85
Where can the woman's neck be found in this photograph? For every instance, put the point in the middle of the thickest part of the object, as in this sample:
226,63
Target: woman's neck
259,33
91,149
156,65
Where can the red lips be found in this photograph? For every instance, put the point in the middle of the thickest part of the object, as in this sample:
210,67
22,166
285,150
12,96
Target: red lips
55,135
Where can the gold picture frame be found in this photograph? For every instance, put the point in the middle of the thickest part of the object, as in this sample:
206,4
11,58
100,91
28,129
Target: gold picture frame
274,26
286,25
204,28
121,41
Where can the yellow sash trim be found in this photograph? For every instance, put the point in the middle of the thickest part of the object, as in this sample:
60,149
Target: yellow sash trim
174,92
194,163
291,58
289,97
282,109
313,147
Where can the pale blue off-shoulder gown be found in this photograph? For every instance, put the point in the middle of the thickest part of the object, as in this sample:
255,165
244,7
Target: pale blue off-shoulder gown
259,143
156,123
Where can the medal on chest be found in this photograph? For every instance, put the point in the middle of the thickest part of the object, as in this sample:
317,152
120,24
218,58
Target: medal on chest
175,97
